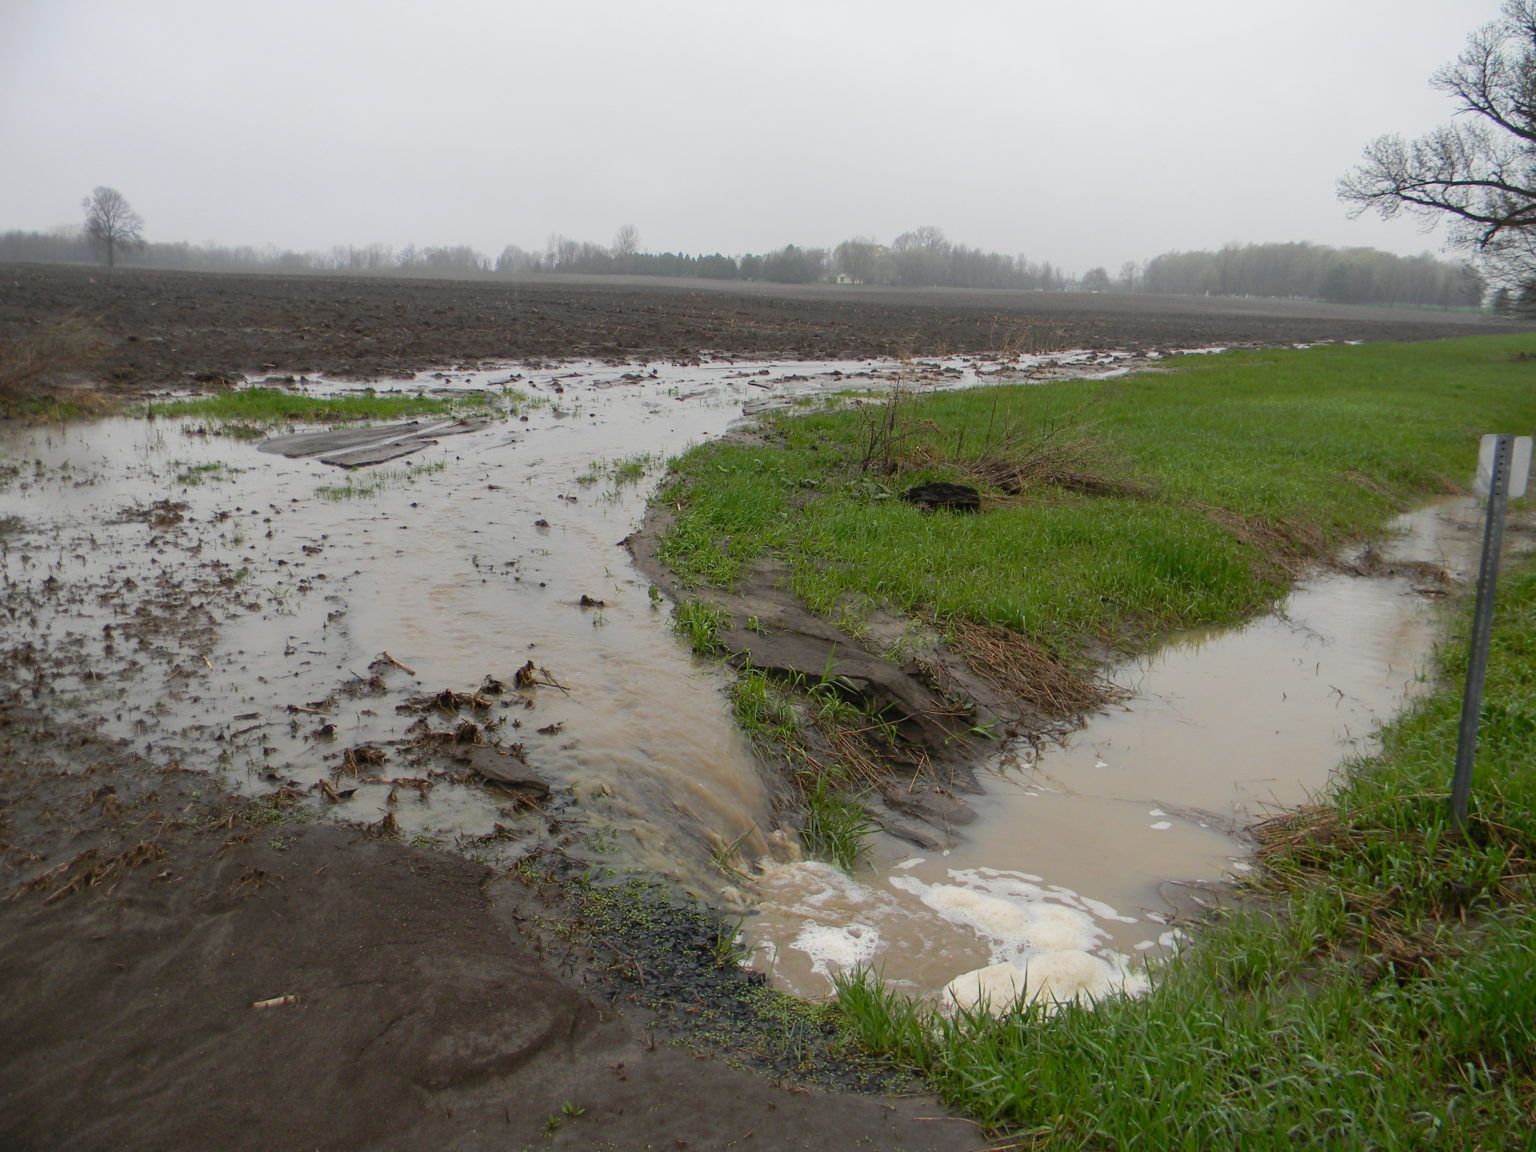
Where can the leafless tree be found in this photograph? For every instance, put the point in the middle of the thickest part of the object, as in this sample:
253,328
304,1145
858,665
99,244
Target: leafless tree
626,241
110,224
1480,171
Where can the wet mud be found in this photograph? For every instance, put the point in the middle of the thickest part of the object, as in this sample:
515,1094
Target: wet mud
198,973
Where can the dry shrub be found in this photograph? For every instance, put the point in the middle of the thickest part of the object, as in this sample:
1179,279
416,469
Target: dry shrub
1037,338
1017,667
47,352
1014,455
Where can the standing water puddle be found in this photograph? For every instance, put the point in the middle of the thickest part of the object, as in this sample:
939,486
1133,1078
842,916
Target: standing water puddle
223,607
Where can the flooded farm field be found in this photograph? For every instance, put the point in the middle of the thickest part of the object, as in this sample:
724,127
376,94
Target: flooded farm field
454,647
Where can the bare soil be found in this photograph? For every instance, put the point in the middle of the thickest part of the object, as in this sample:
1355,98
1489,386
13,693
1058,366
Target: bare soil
170,328
187,969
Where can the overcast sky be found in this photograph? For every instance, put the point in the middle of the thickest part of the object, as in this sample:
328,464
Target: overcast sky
1082,132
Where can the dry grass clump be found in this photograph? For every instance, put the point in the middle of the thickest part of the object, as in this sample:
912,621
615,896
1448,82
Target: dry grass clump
1015,454
1397,886
1291,545
1016,667
47,352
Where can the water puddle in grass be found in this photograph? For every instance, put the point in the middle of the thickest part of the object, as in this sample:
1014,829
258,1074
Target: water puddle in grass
229,608
1064,878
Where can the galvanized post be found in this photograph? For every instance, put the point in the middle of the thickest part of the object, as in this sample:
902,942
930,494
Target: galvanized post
1482,629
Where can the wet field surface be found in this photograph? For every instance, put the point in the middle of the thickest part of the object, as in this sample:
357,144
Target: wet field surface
164,327
454,647
451,650
389,641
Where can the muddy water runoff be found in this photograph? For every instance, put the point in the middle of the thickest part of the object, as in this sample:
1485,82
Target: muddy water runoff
1082,848
226,608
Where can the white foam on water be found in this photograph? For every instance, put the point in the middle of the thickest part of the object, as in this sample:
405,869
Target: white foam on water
838,917
837,948
1104,912
1017,923
1046,942
1054,978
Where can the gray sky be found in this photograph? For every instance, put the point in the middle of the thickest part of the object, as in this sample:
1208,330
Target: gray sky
1081,132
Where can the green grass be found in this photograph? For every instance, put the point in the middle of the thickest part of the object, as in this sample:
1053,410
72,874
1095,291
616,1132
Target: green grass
361,486
195,475
260,408
1229,470
700,622
1377,991
763,708
836,824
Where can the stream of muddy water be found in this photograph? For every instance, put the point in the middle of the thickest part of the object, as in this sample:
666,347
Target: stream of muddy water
1064,880
280,620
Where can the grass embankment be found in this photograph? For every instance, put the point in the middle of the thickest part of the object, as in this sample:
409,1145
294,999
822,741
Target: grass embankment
1378,991
1147,503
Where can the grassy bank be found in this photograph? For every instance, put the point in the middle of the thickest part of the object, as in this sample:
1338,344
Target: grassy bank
1137,505
1374,988
1377,989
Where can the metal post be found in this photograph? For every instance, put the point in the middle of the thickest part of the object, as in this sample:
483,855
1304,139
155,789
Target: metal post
1482,628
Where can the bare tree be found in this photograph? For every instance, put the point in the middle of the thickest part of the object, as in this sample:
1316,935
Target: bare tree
110,223
1479,171
626,241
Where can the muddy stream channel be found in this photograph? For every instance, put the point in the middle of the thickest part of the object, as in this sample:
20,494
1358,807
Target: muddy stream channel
376,641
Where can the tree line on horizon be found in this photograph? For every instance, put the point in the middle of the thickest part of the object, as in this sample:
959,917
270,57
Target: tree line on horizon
923,257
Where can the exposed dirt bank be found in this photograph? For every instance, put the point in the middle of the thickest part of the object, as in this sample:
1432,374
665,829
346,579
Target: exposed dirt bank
164,328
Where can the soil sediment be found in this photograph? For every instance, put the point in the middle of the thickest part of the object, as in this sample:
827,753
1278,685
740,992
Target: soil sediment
196,973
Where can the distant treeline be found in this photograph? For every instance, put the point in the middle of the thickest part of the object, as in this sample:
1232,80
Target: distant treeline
921,258
1342,275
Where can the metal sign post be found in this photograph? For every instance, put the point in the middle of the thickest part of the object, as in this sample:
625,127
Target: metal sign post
1503,465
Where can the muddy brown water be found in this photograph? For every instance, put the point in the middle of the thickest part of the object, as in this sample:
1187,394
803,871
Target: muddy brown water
1066,872
228,608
